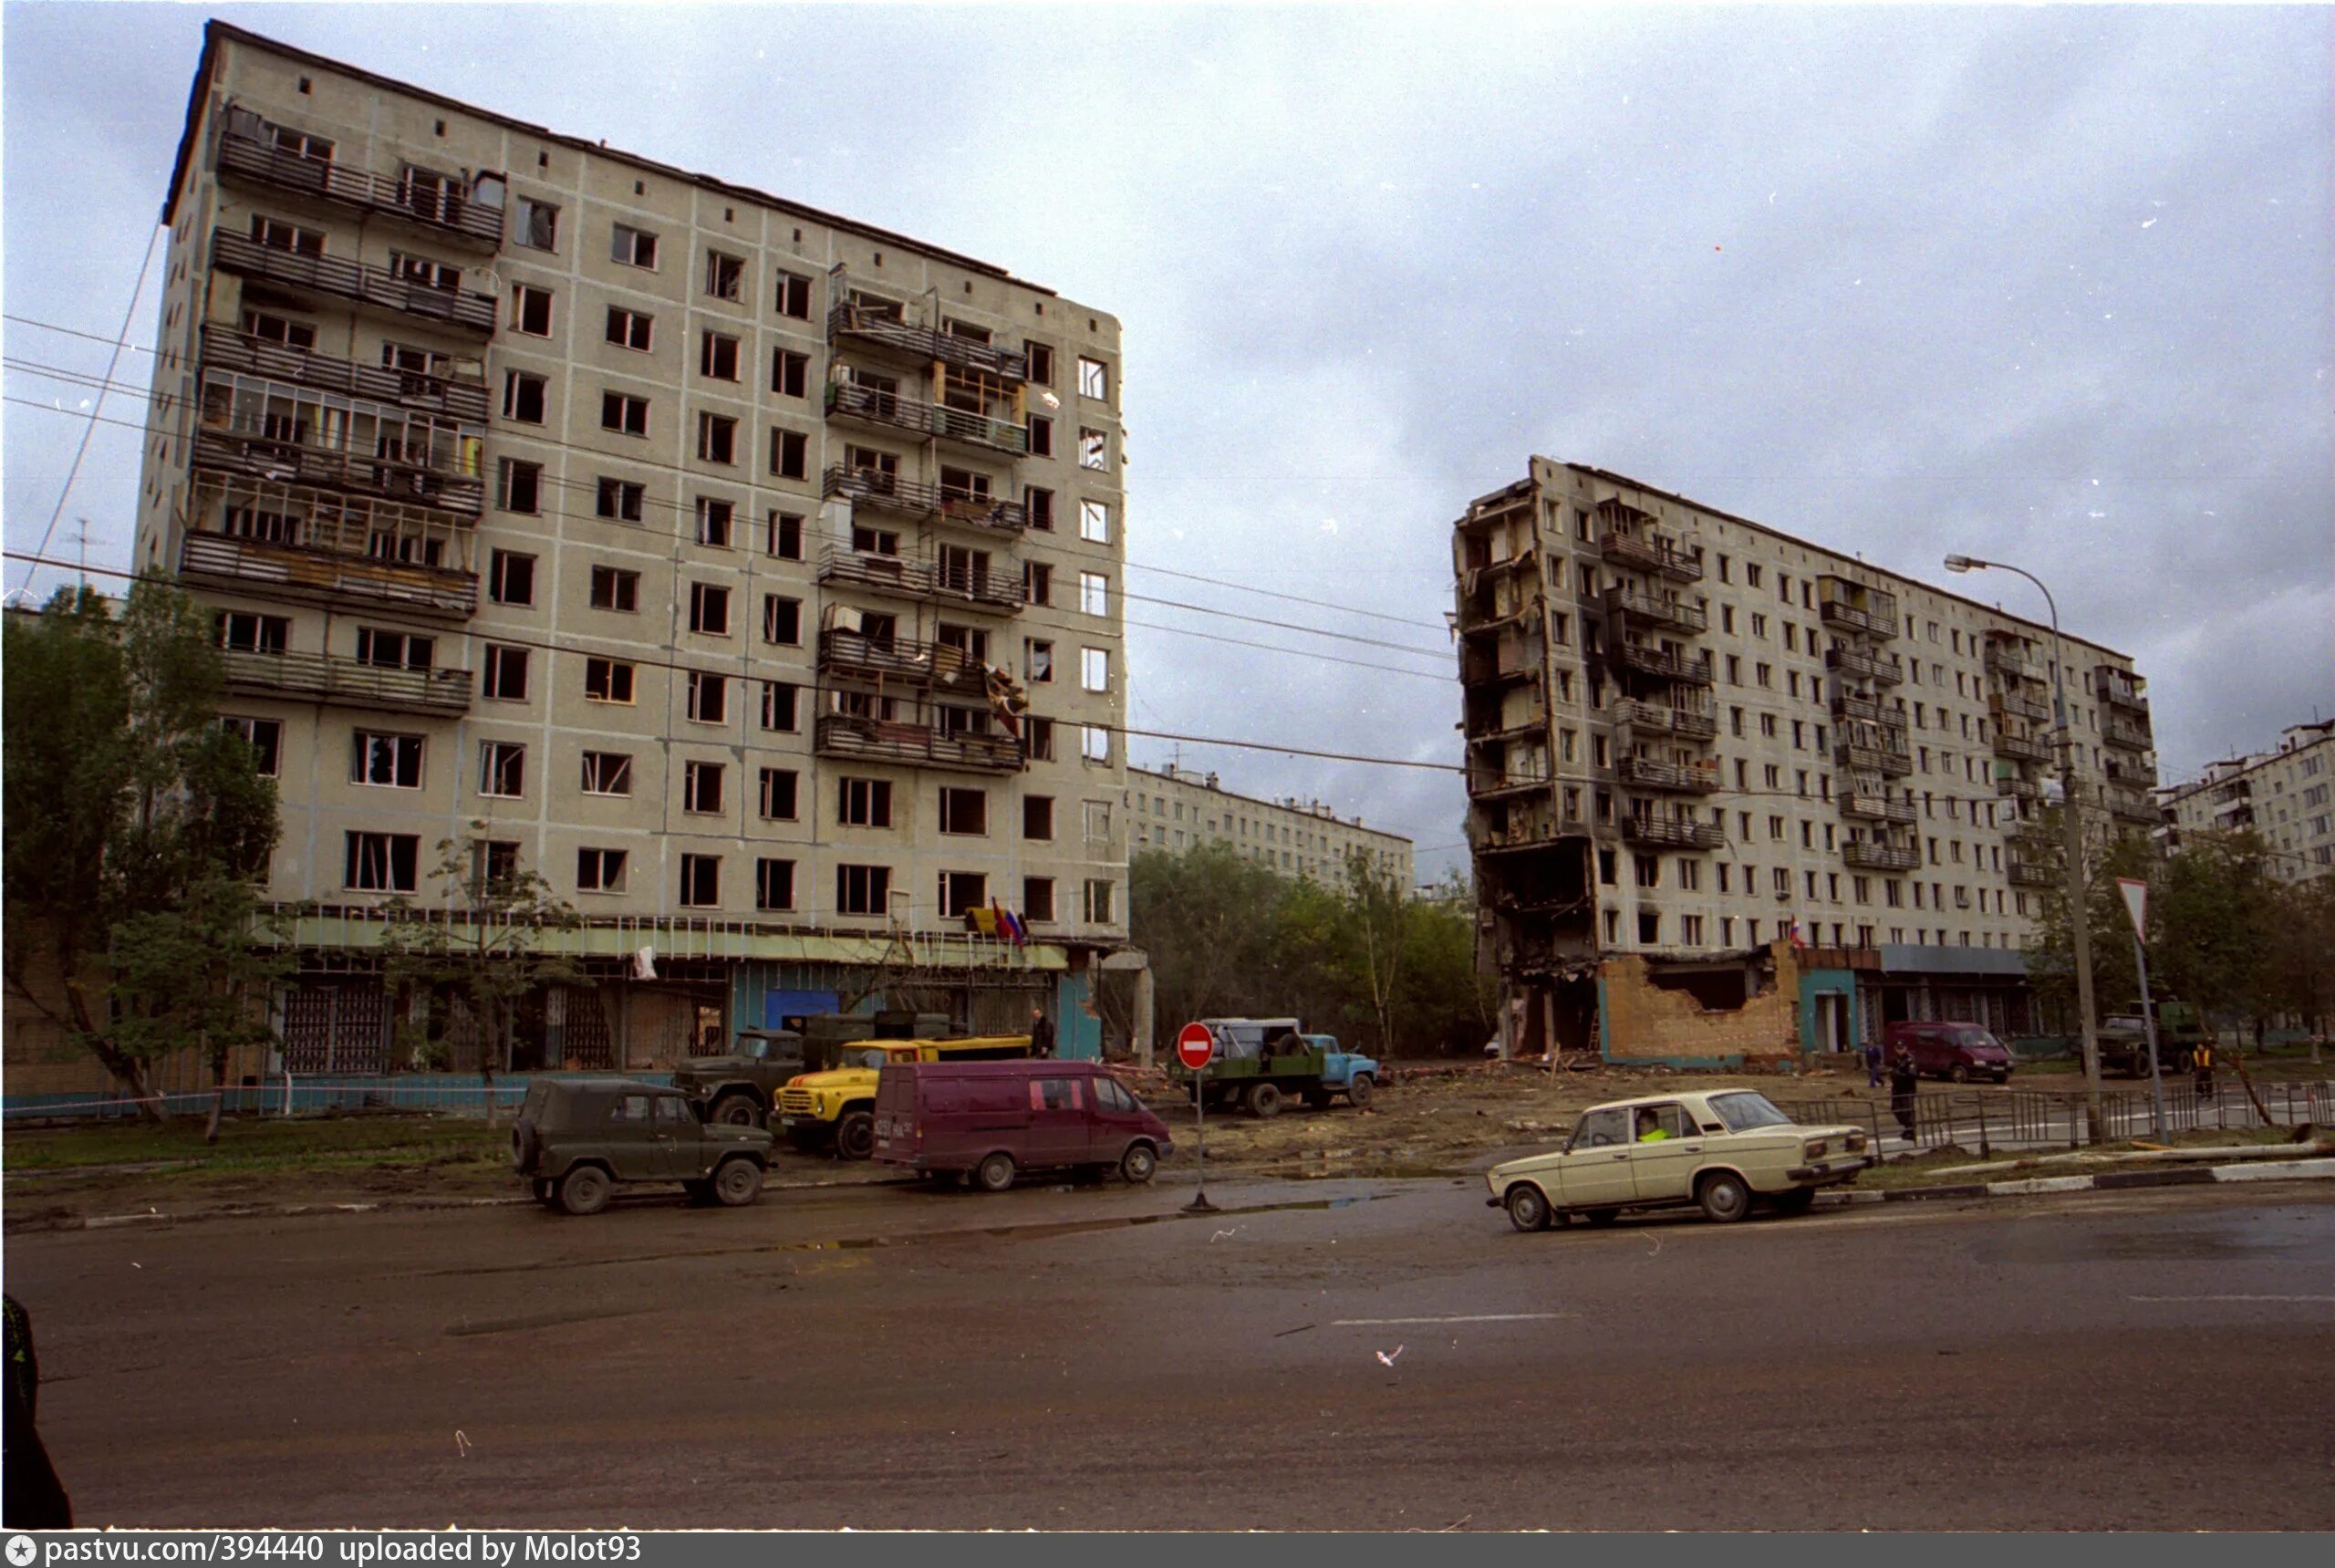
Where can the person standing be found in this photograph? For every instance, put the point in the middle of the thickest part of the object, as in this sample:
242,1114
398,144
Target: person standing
2201,1063
1041,1034
1903,1081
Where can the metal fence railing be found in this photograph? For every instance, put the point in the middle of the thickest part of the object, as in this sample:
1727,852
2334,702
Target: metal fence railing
1986,1120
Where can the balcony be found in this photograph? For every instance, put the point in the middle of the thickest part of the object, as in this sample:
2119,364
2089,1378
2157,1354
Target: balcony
1872,855
1530,729
2034,710
1498,784
2125,735
854,739
890,411
2021,748
370,286
889,329
907,498
1484,614
926,581
1672,832
1535,834
1480,667
1842,617
2120,689
856,656
1656,718
325,577
450,398
1658,609
448,214
2028,873
1864,664
1690,778
2007,657
335,678
1654,555
1852,705
2131,805
441,487
1877,806
2019,788
1654,659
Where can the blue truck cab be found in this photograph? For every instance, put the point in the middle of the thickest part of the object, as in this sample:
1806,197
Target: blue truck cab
1348,1073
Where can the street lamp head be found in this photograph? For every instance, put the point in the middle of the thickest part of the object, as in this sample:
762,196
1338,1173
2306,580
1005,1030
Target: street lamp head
1964,564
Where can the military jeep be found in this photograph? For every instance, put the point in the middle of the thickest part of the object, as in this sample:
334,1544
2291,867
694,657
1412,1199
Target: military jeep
741,1089
576,1139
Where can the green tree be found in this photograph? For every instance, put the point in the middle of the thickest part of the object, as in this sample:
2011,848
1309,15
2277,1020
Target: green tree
2050,963
1206,919
2301,959
483,951
137,826
2212,917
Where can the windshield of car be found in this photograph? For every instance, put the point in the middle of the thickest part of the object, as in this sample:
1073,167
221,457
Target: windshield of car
1599,1129
1746,1109
1978,1037
874,1059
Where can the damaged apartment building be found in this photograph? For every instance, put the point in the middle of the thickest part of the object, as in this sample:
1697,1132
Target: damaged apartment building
749,573
1734,794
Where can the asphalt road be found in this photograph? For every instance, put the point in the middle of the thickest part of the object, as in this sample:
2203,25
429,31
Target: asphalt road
892,1357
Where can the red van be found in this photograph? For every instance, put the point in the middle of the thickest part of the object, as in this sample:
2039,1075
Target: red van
1956,1052
994,1120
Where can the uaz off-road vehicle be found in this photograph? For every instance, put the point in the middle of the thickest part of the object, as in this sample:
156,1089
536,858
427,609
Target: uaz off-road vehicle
577,1140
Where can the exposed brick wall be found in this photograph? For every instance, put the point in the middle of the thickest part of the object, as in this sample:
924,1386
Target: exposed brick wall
1646,1022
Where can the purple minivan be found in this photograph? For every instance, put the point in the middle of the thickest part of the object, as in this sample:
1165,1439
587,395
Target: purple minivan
994,1120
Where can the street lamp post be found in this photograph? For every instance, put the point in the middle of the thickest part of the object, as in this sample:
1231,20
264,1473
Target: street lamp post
2079,909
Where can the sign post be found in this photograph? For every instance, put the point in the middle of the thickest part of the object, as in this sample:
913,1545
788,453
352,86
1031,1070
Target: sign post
1195,1046
2136,904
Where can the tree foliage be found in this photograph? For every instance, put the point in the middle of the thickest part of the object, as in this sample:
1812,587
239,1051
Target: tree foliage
136,827
1362,960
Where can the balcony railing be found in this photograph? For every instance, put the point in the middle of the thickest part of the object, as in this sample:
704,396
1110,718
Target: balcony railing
1847,618
453,398
1655,659
883,329
1532,833
2008,659
1696,723
1536,725
1850,705
2119,688
2028,874
2021,747
1672,831
1658,609
1864,664
1475,618
1658,555
1877,807
907,498
2019,788
928,581
333,677
253,454
853,654
1490,783
374,285
847,736
1872,759
1691,778
448,213
1870,855
2125,735
2034,710
297,572
2132,805
876,406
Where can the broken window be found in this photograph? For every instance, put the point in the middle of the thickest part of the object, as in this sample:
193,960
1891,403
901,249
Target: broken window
964,811
511,579
1038,582
608,680
388,762
725,276
531,310
1038,818
608,773
779,706
863,889
1095,743
1094,378
614,588
505,674
1094,449
717,357
1039,506
278,235
272,328
1042,363
519,486
624,413
1042,436
782,535
502,769
632,247
524,397
701,787
600,870
391,650
780,787
1094,521
426,271
782,620
709,610
700,881
1093,594
709,697
717,438
620,499
790,454
1094,669
714,518
381,862
630,328
790,373
1037,661
774,884
534,225
863,803
793,297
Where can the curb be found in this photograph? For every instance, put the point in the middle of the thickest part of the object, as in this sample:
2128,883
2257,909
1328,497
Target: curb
2104,1182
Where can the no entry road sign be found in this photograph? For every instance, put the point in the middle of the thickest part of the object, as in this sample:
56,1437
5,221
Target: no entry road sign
1195,1045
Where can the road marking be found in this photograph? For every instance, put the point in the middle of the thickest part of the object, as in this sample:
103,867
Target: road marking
2230,1298
1481,1317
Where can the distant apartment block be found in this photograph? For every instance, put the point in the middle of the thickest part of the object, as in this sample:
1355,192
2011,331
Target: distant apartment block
1177,809
1754,766
748,572
2282,795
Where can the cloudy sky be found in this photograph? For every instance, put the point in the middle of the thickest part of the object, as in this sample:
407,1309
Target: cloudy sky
2052,285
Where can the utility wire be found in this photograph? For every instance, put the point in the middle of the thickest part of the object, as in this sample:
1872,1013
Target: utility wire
82,449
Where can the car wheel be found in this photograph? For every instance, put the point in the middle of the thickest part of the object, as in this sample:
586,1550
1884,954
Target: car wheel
855,1135
738,1183
1724,1197
1602,1216
1957,1074
1358,1091
1140,1163
736,1111
1798,1201
523,1145
1264,1100
1528,1207
994,1174
584,1190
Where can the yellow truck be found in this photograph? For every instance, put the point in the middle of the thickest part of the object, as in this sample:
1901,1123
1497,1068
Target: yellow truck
836,1108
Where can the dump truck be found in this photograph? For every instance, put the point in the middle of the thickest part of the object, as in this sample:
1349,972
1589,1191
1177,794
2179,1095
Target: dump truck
1261,1062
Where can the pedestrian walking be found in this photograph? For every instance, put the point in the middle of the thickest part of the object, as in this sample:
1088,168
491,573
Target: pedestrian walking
1041,1034
1873,1064
1903,1081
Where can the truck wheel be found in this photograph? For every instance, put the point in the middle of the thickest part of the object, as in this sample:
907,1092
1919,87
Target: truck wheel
1528,1208
1724,1197
1140,1163
1264,1100
736,1110
994,1174
1358,1090
855,1135
738,1183
584,1190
